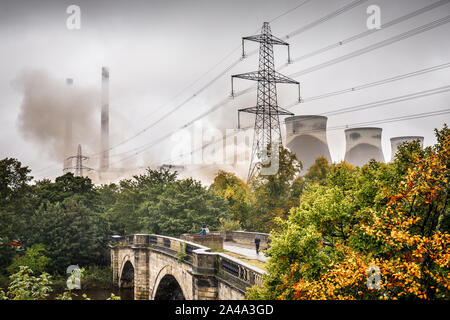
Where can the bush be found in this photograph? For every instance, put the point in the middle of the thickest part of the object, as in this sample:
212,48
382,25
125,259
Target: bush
97,277
229,225
25,286
34,258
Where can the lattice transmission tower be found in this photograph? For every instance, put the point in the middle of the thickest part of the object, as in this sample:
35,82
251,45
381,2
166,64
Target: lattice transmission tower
267,122
79,167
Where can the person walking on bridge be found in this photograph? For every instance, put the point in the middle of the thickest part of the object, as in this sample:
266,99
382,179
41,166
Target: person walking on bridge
257,242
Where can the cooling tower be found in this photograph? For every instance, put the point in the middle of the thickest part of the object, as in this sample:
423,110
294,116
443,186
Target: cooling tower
363,144
306,136
104,160
397,141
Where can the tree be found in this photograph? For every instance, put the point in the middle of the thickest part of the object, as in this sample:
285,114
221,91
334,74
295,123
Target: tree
317,172
274,194
236,193
71,232
362,220
64,187
25,286
35,258
182,208
15,206
13,179
125,214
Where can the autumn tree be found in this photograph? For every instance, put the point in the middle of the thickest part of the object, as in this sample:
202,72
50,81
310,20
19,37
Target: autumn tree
317,172
364,221
236,193
274,194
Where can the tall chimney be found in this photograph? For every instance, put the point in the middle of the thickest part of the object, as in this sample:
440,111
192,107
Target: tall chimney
397,141
67,163
363,144
306,136
104,160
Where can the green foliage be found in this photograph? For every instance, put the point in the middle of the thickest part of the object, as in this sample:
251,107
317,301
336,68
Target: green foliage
317,172
236,193
15,206
181,253
336,201
182,208
113,297
97,276
25,286
34,258
275,194
71,232
229,225
125,213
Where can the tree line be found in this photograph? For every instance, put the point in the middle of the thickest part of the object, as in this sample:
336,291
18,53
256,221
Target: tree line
324,221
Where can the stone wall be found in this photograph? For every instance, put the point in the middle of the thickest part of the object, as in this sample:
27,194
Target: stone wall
214,241
200,273
227,292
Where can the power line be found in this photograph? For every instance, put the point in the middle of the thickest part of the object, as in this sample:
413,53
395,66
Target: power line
217,106
362,51
294,33
340,127
369,32
373,84
411,96
290,10
405,35
402,36
325,18
384,102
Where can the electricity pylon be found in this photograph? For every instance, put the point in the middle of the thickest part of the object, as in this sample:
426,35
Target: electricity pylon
78,164
267,122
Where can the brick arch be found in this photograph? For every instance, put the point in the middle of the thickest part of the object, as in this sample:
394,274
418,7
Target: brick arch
125,259
168,270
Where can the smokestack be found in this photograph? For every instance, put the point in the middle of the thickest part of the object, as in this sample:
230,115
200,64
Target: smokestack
306,136
363,144
67,163
104,160
397,141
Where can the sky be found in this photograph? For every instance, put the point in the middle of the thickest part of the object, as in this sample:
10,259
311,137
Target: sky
162,52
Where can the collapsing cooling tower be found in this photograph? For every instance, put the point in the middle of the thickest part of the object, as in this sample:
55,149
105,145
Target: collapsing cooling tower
104,160
397,141
67,162
306,136
363,144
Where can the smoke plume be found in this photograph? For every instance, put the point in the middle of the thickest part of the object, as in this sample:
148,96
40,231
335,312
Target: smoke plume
50,108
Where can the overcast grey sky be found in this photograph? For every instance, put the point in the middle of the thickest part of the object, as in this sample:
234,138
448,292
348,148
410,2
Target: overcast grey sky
156,48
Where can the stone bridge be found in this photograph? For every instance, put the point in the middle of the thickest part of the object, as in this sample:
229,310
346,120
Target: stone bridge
166,268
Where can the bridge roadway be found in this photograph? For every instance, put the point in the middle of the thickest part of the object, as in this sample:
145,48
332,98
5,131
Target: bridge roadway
167,268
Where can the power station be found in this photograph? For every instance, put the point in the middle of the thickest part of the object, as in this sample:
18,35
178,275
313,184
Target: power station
363,144
306,136
397,141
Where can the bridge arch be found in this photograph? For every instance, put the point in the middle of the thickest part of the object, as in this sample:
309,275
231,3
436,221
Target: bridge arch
167,286
126,275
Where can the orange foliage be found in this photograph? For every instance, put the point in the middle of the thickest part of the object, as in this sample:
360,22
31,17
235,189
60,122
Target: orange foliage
413,263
